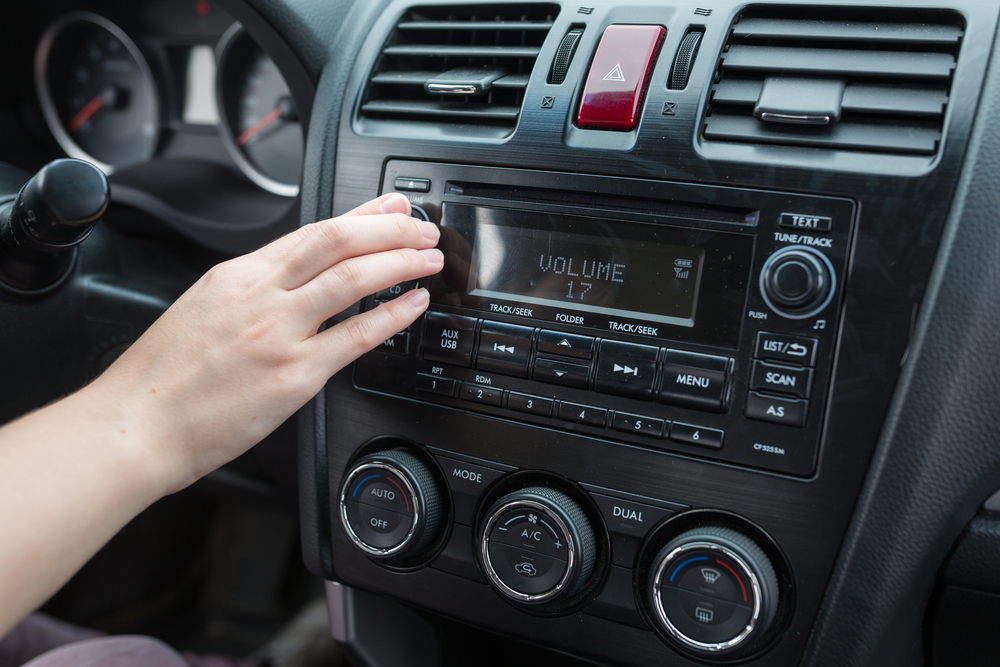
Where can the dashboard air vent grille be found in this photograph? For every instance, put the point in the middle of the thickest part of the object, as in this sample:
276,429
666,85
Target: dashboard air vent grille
464,64
871,82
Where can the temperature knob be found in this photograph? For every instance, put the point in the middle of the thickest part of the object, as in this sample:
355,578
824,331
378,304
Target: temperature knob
714,591
797,282
391,505
537,546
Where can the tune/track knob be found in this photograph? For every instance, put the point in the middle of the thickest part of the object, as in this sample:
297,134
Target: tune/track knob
797,282
714,591
392,505
537,546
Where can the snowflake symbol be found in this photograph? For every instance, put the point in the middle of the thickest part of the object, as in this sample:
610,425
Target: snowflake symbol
532,518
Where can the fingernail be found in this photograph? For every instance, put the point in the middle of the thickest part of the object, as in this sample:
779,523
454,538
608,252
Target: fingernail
394,204
417,298
428,229
433,255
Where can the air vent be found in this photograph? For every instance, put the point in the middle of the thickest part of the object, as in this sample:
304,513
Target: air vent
463,66
867,82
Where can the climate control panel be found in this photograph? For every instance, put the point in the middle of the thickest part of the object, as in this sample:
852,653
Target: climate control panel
708,583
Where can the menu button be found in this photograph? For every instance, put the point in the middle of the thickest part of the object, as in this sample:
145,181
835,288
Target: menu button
694,380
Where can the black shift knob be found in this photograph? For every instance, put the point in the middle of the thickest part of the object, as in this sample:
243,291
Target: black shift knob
53,213
61,203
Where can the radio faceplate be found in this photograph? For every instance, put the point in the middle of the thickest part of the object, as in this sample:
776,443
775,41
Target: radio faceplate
735,369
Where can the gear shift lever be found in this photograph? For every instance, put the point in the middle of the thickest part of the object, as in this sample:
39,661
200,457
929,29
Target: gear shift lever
53,213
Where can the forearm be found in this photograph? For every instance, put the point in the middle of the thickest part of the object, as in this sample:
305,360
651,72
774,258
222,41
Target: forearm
71,476
233,358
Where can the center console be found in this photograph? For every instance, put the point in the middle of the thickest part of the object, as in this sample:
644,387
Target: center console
647,317
635,420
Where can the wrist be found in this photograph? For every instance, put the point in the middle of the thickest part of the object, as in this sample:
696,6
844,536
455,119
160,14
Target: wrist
132,442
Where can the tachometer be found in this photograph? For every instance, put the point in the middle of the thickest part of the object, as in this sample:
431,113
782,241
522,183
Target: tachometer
97,93
260,125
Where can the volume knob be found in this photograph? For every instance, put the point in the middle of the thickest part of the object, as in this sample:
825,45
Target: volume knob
797,282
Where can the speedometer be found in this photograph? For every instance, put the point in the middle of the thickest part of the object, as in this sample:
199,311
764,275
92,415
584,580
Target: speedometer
260,124
96,92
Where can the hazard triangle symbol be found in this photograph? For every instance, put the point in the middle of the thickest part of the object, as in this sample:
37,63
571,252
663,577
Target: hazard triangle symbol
615,74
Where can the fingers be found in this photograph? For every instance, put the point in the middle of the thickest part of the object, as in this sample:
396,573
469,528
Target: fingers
324,244
343,343
390,203
350,280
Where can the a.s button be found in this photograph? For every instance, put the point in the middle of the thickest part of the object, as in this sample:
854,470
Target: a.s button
778,410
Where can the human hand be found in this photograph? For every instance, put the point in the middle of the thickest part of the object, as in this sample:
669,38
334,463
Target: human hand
239,352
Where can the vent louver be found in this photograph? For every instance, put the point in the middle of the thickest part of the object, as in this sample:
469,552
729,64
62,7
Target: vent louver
872,83
464,65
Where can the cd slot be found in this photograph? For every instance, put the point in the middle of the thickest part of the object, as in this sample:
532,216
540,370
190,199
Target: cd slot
605,202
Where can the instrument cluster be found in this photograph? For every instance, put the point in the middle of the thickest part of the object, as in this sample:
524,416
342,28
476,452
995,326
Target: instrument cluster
118,100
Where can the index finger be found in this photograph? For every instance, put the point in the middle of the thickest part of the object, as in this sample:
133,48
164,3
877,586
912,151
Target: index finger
390,203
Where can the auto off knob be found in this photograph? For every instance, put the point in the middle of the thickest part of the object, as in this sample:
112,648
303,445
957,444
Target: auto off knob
392,506
797,282
714,591
537,546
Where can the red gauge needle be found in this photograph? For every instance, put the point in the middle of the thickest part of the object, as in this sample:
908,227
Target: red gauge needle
84,114
259,125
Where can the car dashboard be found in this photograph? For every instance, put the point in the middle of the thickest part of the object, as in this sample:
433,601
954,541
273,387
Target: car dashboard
706,378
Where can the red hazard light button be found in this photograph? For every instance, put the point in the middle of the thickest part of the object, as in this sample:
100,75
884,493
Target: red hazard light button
618,76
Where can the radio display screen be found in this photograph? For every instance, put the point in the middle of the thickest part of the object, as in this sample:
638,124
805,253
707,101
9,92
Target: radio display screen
640,278
627,279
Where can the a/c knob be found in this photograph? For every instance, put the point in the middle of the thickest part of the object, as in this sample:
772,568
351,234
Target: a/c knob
537,546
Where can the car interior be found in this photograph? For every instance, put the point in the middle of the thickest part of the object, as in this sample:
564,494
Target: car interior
706,378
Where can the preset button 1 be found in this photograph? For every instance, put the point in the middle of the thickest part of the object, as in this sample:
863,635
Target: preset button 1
449,338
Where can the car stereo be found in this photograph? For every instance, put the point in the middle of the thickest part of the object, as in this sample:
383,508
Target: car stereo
693,320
